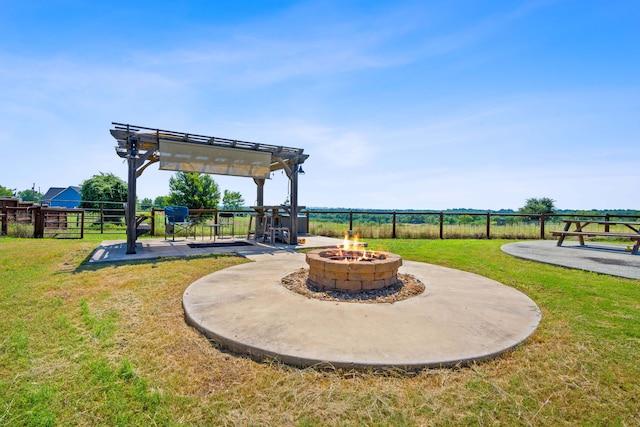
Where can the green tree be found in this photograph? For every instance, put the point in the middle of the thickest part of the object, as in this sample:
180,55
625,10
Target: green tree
232,200
511,220
465,219
105,187
161,202
416,219
193,190
30,195
146,204
543,205
5,192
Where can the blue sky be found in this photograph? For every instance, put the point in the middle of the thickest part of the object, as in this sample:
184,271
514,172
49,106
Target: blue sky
399,104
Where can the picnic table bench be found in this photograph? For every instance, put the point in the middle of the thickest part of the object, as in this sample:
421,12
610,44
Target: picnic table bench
580,232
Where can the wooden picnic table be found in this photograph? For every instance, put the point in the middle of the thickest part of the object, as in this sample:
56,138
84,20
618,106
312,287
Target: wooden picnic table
580,232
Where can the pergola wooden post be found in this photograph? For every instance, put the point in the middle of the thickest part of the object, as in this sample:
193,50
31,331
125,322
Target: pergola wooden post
294,205
141,147
292,169
260,202
131,195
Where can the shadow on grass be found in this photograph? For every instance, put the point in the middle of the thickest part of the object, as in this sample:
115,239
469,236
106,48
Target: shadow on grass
86,265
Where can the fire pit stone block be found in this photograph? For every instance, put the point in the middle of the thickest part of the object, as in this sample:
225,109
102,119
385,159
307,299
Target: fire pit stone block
378,284
326,283
349,285
367,277
336,266
316,263
385,274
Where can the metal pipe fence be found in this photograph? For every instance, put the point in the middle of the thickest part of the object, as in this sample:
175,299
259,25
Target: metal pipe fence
109,218
442,225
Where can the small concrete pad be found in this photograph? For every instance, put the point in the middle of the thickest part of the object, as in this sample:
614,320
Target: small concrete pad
460,318
604,258
146,249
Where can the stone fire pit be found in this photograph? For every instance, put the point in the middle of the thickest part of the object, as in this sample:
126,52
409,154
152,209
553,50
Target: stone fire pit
352,270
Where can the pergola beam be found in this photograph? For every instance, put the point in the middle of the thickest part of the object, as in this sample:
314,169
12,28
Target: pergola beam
150,136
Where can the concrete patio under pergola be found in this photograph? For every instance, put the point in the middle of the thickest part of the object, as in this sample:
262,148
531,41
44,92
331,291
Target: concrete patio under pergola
184,152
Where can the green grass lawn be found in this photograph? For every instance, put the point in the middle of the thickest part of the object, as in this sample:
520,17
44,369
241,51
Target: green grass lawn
108,345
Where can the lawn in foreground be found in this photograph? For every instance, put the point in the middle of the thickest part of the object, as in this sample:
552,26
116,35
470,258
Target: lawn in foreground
108,345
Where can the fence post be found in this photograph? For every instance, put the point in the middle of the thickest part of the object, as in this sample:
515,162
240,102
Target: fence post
38,223
442,225
606,226
350,223
5,220
393,231
308,223
82,225
153,221
542,226
488,225
101,217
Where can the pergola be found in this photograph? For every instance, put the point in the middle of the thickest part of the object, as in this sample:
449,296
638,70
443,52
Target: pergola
178,151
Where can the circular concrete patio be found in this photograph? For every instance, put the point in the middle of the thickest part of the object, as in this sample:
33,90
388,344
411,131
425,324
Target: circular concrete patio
460,318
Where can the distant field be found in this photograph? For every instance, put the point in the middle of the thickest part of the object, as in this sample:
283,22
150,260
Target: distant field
428,231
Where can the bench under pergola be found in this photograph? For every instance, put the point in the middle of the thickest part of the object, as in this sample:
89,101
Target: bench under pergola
185,152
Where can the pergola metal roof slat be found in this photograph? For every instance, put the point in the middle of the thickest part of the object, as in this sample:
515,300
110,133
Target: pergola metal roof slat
122,131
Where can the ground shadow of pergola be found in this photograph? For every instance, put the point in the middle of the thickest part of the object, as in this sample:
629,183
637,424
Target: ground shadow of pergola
178,151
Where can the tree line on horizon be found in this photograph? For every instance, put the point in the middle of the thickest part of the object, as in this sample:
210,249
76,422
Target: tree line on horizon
198,191
533,206
194,190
